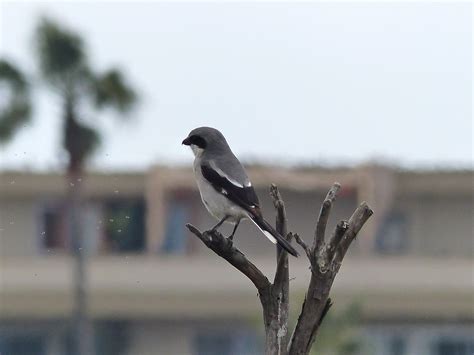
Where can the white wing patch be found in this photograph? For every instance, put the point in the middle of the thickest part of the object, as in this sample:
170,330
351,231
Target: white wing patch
265,233
232,181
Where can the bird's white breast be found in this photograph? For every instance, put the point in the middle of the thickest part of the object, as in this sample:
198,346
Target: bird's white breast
217,204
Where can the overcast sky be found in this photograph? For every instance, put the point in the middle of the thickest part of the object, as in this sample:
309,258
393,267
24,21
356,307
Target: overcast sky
285,82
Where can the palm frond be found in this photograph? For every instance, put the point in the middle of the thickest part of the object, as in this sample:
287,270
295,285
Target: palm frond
17,110
111,90
61,55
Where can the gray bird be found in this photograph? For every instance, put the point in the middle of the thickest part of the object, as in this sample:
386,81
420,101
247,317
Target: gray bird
225,188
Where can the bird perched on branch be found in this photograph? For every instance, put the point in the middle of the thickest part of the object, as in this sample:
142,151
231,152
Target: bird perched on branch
225,188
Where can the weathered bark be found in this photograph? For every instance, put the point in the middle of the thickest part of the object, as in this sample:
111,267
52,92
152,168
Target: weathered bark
325,260
275,301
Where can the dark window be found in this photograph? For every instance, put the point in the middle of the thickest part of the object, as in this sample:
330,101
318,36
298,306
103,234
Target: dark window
397,346
176,236
391,237
230,342
124,221
214,344
454,347
54,227
111,337
23,345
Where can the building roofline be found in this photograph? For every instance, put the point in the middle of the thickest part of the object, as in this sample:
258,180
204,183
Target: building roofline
454,182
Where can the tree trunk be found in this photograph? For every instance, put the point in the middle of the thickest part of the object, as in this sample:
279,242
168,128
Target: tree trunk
276,303
81,326
73,144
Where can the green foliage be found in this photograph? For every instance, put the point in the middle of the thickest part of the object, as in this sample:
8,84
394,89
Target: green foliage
125,225
111,90
17,110
61,56
338,335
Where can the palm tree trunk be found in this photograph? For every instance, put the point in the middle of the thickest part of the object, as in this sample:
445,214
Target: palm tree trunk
82,331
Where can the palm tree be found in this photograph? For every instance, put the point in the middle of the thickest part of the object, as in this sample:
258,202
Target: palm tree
63,66
65,70
16,107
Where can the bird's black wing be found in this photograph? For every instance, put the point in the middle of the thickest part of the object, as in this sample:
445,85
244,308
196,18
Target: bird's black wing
243,196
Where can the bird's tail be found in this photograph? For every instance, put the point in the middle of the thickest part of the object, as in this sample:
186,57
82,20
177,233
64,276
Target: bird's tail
272,234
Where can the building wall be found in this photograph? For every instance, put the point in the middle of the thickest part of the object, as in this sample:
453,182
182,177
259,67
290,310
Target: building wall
435,208
194,337
234,337
154,291
438,225
19,235
405,338
155,338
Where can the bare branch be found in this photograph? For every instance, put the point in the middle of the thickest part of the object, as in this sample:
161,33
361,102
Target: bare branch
317,301
323,218
281,219
304,246
356,222
281,273
225,249
281,283
336,238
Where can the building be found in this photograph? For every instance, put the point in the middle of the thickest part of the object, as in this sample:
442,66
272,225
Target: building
153,288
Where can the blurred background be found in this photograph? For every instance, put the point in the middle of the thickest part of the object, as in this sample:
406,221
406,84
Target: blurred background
95,187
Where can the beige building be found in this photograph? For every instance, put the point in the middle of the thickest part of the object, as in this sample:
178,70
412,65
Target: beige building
153,288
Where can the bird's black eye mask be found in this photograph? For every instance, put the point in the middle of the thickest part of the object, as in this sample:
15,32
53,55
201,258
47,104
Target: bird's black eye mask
196,140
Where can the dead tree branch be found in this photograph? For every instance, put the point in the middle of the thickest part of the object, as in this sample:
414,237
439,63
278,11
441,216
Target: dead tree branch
324,216
225,249
325,259
281,283
324,267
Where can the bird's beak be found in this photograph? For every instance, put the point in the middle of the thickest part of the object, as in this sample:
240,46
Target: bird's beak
186,142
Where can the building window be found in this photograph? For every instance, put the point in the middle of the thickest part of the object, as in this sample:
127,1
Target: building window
226,343
213,344
124,225
117,225
179,211
391,237
112,337
176,236
397,346
23,345
54,227
454,347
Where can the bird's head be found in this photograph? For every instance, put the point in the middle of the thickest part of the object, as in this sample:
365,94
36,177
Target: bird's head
205,138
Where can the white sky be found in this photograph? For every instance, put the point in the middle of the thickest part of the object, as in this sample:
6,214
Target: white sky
285,82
